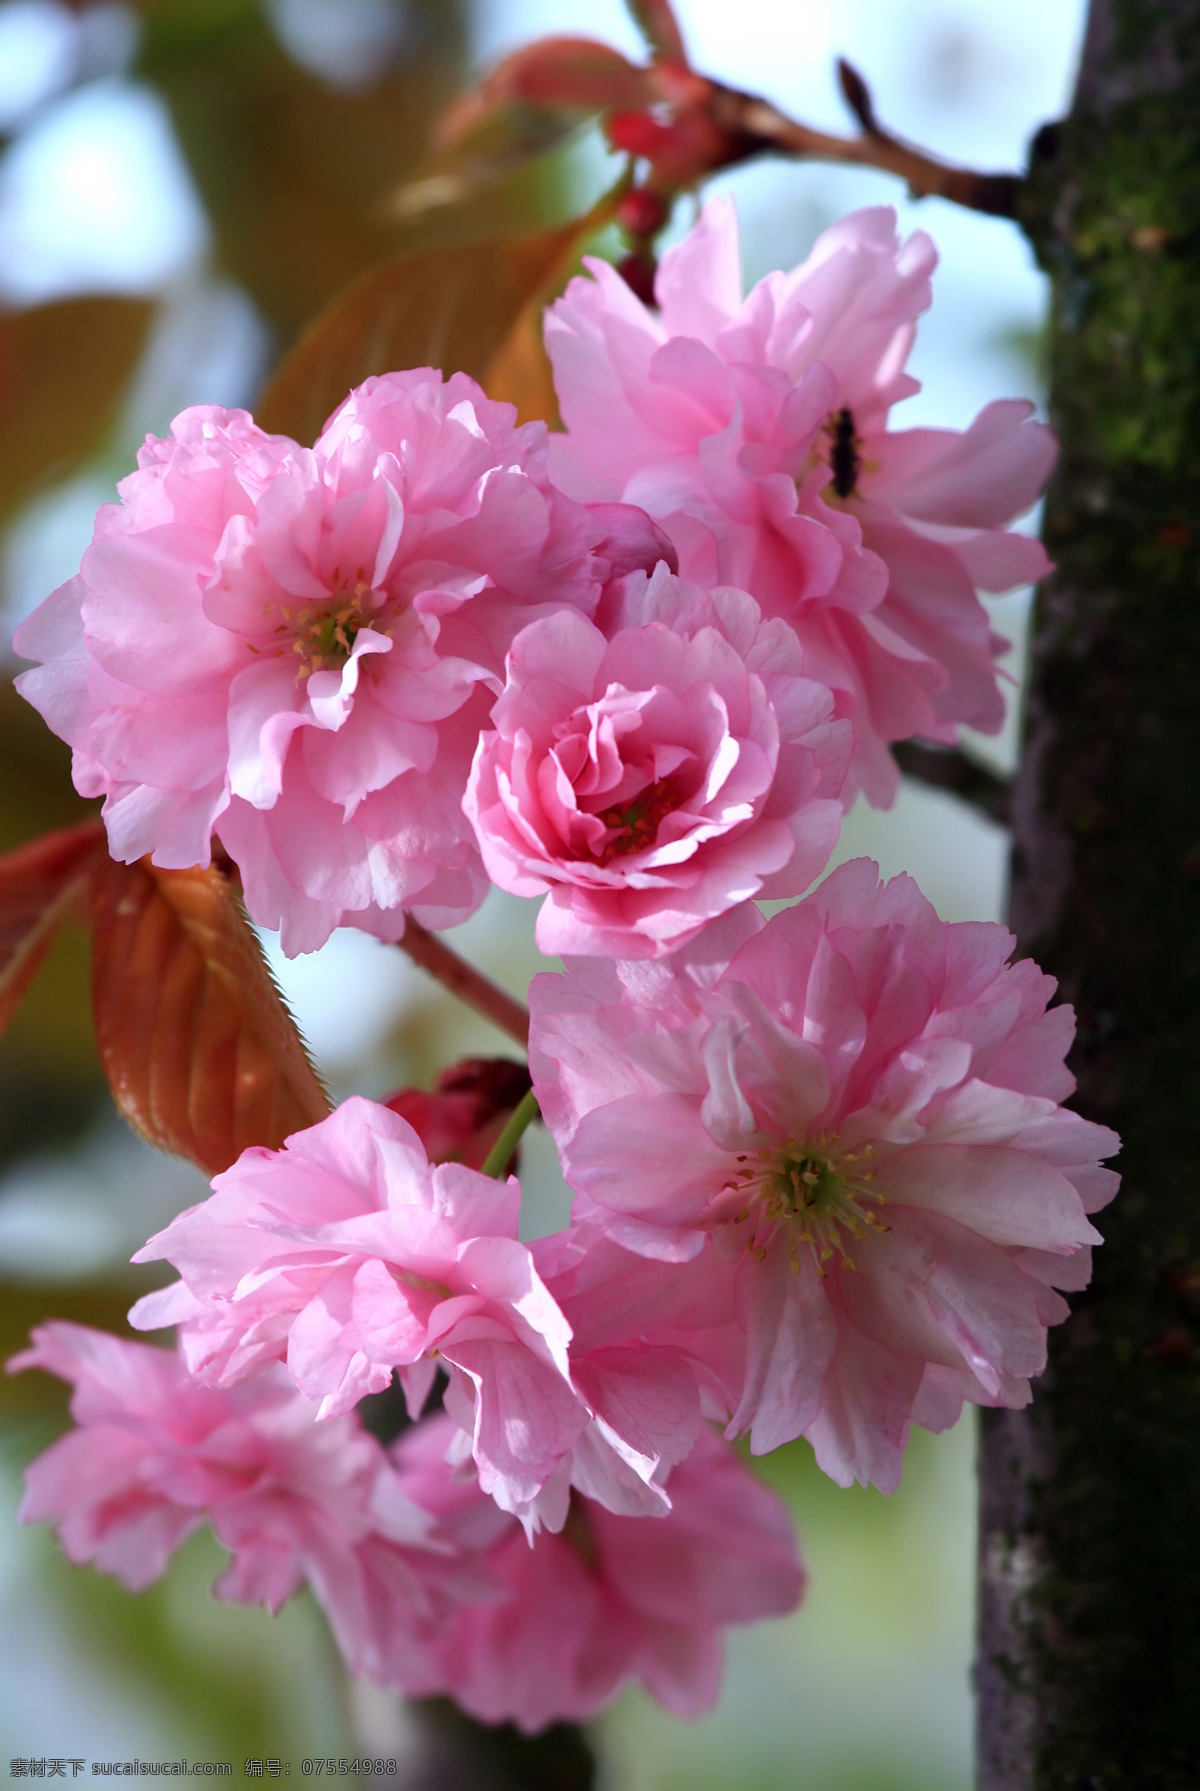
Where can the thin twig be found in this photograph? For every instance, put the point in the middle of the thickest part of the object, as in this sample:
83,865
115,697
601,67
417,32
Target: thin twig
462,979
761,126
946,768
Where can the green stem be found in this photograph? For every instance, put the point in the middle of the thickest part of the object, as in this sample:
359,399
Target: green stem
522,1115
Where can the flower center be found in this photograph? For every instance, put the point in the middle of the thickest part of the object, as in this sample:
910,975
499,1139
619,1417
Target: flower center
635,825
821,1195
323,637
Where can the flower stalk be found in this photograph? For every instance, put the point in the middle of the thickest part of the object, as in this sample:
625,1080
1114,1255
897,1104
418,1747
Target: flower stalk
522,1116
439,961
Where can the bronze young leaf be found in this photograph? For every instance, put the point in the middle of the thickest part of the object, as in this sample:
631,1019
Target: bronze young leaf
201,1054
448,308
63,367
38,884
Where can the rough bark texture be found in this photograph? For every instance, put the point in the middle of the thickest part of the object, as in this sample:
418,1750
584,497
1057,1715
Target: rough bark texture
1089,1670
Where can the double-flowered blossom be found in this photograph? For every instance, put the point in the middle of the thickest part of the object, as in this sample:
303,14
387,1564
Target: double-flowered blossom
609,1599
756,432
859,1105
154,1455
824,1182
298,647
428,1585
350,1256
648,777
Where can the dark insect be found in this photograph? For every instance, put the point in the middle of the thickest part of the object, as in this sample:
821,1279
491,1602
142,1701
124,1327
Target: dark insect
843,455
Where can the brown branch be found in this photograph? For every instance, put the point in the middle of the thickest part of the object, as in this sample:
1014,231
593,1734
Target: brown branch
946,768
758,126
857,96
462,979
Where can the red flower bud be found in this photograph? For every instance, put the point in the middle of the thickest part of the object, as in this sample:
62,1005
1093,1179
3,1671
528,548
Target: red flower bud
638,274
464,1115
642,212
638,134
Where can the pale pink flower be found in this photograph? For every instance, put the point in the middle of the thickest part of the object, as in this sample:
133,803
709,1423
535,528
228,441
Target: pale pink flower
860,1106
154,1455
756,432
651,780
348,1254
655,1350
611,1598
297,647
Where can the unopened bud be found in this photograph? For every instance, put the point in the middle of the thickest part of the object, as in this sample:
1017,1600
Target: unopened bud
638,274
642,213
463,1117
638,134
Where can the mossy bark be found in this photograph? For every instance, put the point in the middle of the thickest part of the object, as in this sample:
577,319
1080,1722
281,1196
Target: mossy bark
1089,1668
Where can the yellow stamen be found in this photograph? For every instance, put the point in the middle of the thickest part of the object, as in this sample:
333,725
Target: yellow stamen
819,1194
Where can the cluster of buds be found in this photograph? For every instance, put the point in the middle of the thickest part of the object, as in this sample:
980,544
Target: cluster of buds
676,125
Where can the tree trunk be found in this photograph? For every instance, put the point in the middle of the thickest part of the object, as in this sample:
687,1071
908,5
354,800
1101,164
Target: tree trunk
1089,1658
455,1753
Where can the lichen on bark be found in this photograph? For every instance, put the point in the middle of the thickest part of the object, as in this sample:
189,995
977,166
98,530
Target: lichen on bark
1090,1565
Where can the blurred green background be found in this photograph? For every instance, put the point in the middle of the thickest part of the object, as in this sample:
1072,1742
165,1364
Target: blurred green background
183,183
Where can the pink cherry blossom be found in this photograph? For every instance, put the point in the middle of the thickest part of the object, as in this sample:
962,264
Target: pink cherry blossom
655,1350
860,1106
649,781
348,1254
611,1598
297,647
756,431
154,1455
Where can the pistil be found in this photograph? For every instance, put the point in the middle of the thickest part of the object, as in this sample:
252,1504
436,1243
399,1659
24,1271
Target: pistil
820,1194
324,638
635,825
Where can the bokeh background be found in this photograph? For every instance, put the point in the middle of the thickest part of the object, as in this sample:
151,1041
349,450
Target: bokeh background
182,184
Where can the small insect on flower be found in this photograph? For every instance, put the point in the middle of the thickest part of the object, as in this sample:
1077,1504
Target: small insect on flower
758,433
844,461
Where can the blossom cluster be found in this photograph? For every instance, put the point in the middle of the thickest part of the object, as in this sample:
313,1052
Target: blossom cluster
825,1184
432,650
427,1585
